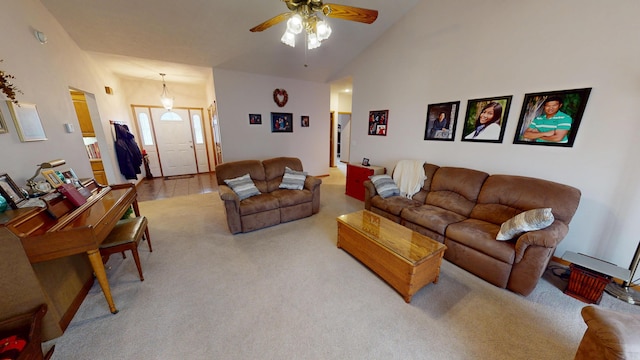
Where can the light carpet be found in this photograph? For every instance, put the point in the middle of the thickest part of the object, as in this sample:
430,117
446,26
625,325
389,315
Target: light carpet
287,292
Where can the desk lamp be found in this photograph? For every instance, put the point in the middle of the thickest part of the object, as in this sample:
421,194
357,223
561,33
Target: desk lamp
45,165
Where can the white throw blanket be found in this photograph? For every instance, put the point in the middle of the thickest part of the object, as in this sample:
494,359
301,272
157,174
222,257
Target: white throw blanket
409,176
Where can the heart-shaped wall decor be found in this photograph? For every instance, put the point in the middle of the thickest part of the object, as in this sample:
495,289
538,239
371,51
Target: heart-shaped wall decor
280,96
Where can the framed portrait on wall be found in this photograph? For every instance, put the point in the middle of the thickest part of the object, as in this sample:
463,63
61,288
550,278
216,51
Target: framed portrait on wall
441,121
486,119
255,119
304,121
378,122
551,118
281,122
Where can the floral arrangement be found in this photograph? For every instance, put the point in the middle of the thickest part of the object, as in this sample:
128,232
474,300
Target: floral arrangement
7,86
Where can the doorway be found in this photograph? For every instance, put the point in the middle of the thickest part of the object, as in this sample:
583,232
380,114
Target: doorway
173,140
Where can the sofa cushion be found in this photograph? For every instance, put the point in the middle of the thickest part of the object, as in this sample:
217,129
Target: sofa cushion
393,204
243,186
456,189
258,203
530,220
431,217
274,170
292,197
504,196
481,236
385,186
292,180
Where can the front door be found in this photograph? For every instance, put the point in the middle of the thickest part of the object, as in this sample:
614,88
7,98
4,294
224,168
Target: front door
174,141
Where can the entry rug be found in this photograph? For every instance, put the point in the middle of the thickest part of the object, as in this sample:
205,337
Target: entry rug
176,177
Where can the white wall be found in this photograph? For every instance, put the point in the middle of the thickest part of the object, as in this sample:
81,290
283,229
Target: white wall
460,50
240,94
44,73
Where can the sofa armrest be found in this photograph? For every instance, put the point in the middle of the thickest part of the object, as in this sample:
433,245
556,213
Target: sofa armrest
369,192
312,182
231,208
549,237
226,194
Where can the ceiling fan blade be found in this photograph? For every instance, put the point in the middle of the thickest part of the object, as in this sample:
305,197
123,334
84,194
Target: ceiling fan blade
351,13
269,23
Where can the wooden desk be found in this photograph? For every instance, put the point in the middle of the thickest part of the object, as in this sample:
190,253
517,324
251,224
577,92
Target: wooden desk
62,230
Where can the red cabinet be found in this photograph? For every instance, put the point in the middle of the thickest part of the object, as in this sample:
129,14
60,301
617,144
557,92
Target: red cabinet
357,175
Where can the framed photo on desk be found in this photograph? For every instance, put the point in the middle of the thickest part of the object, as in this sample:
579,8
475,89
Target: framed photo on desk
11,192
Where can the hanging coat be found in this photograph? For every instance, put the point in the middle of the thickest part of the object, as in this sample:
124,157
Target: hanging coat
128,152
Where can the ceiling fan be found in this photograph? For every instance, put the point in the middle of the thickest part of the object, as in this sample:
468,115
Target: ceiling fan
303,14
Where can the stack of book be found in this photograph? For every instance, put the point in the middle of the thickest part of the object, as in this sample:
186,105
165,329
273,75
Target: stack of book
93,151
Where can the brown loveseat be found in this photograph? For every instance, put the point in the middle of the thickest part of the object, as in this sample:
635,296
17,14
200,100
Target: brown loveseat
464,209
274,205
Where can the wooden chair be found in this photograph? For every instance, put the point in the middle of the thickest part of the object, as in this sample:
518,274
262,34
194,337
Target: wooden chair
126,235
25,327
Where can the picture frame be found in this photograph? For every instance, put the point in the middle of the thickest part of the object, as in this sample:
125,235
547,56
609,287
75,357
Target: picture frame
255,119
281,122
365,162
478,128
52,178
3,125
566,108
27,121
441,121
71,175
304,121
11,192
378,122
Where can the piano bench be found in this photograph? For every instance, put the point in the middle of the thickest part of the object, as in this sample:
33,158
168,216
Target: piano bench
126,235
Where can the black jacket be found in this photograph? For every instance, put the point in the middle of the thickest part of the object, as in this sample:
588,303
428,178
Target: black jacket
128,152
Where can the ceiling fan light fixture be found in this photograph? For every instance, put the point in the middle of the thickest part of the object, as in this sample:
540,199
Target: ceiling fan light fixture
323,30
294,24
289,38
312,41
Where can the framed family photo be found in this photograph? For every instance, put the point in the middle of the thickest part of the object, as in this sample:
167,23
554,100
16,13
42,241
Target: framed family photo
255,119
11,192
52,177
441,121
378,122
486,119
281,122
552,117
304,121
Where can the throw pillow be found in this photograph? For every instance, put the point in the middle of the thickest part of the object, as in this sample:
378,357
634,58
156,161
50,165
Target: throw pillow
385,186
293,180
530,220
243,186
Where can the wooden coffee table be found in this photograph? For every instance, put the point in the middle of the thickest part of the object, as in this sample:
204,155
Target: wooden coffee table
404,258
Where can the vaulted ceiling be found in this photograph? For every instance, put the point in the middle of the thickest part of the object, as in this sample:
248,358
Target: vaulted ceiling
139,39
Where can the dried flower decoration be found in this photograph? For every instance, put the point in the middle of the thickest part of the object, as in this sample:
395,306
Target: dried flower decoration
7,86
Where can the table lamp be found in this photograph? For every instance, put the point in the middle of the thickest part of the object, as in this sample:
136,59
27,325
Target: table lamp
45,165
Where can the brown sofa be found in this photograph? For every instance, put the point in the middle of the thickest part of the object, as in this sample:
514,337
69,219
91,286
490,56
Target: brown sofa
464,209
274,205
610,335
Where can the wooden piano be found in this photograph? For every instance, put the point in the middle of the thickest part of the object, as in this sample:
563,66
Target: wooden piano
62,229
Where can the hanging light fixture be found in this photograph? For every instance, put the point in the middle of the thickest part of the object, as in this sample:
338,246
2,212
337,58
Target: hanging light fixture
165,98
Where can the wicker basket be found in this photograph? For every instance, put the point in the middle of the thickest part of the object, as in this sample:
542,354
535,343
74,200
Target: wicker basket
586,285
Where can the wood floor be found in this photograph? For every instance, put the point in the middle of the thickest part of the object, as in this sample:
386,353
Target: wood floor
161,188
